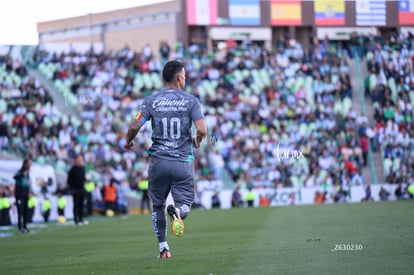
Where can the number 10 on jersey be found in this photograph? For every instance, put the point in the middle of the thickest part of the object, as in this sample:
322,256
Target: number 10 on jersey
171,129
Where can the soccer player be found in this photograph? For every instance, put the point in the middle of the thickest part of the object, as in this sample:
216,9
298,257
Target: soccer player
172,112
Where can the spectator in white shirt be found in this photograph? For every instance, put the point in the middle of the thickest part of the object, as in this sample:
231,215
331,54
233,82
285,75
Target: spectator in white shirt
325,161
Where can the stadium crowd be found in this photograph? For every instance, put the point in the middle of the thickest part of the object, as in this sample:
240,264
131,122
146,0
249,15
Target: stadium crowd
260,106
307,96
389,85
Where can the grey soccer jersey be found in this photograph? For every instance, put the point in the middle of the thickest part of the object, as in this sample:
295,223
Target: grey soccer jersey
172,113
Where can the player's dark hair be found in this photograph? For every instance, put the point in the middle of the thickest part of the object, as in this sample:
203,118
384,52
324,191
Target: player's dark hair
171,69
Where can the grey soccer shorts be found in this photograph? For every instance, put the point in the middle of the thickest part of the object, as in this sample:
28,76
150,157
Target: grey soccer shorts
168,175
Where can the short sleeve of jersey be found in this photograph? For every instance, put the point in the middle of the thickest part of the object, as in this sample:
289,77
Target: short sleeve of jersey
196,113
144,115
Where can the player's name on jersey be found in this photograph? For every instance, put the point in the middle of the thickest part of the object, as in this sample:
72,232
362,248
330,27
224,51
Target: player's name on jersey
171,144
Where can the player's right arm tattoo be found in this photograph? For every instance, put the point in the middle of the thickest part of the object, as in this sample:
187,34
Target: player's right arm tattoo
133,130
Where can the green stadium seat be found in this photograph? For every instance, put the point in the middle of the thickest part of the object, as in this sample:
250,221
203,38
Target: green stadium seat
201,91
347,104
55,120
303,130
304,162
238,75
78,148
369,56
3,105
323,173
196,63
396,164
255,87
337,108
207,88
121,81
300,82
137,165
276,123
65,119
46,72
334,78
61,166
41,68
412,97
111,116
285,138
94,176
47,122
296,182
257,80
117,157
15,78
69,97
393,87
312,127
156,79
245,73
58,83
265,77
138,81
6,94
322,108
310,94
372,81
107,147
40,159
68,82
387,164
9,119
344,69
147,81
247,92
211,87
30,116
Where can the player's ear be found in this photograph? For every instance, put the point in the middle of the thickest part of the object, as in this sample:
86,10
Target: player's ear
179,80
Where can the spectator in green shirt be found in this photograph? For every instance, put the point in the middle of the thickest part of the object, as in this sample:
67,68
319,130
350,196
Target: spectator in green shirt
21,193
389,112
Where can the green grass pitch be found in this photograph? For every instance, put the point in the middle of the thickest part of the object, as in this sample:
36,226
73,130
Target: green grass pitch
280,240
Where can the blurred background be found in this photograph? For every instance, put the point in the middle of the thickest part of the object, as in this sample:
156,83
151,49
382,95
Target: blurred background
305,101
